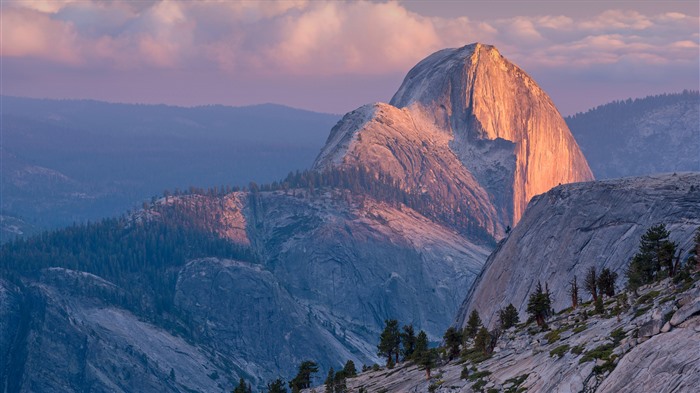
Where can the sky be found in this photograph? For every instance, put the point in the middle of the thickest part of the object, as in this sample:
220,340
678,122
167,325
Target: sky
334,56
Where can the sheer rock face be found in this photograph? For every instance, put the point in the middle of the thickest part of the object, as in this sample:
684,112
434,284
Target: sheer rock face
573,227
483,114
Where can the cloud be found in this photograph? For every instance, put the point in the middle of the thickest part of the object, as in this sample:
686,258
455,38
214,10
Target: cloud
260,39
26,33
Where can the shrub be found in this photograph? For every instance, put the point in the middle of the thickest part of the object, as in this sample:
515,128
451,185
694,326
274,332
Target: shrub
577,350
553,336
559,351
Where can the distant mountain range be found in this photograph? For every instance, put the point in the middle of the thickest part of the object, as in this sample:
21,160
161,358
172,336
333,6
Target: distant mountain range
67,161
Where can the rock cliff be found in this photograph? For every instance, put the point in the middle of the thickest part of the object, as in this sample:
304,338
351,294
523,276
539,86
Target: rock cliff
573,227
499,133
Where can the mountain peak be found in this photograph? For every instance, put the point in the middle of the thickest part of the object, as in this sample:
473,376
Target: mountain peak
469,118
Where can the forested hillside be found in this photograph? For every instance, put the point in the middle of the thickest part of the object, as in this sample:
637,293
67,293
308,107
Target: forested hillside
656,134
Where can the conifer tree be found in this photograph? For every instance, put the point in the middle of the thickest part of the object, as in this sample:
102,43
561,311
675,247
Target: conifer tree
424,356
694,259
508,317
408,341
591,283
573,292
655,254
390,340
349,370
606,282
276,386
330,381
539,305
242,387
340,383
303,377
453,339
482,341
473,325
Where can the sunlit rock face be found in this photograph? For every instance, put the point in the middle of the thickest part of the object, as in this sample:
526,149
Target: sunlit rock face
499,134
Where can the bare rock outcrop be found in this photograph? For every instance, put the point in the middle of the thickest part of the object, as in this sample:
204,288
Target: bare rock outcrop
573,227
668,362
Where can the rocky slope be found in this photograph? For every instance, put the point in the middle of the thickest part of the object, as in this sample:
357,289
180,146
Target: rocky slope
573,227
331,267
656,134
653,346
466,125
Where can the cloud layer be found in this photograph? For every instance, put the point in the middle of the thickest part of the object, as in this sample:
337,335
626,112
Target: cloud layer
328,39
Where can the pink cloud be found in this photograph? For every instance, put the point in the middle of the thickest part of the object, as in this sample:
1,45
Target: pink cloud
326,38
316,40
26,33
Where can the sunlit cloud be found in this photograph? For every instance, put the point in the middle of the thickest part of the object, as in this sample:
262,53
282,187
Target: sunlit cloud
317,37
260,39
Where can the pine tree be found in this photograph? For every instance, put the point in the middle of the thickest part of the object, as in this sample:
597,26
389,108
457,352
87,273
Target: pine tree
598,305
656,253
276,386
573,292
508,317
408,341
453,339
242,387
424,356
349,370
329,382
539,305
340,383
591,283
473,325
390,340
303,377
606,282
482,341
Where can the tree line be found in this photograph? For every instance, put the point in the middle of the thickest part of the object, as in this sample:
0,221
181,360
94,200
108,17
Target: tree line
137,255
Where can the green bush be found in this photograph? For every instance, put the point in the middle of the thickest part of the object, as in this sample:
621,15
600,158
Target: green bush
602,352
648,297
617,335
516,382
559,351
577,350
553,336
479,374
475,355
